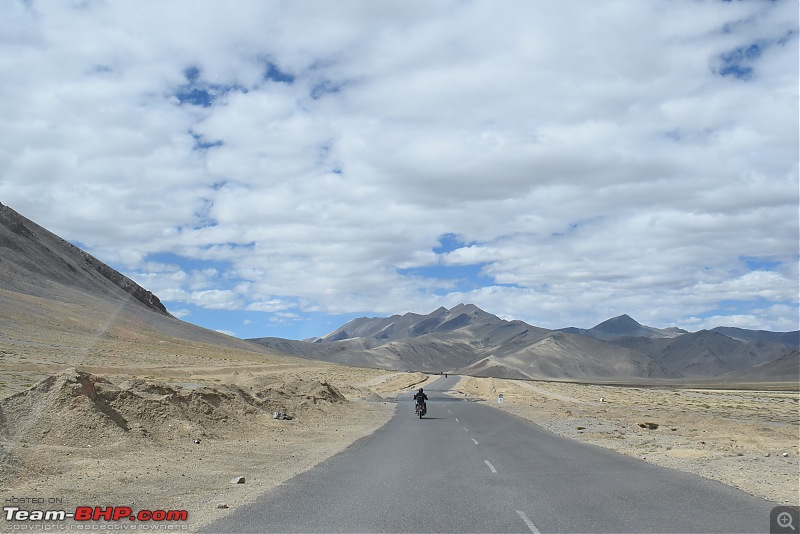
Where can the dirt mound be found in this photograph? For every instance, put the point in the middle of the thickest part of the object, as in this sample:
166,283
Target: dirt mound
75,408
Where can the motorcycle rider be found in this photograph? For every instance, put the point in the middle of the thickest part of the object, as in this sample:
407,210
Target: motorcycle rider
421,397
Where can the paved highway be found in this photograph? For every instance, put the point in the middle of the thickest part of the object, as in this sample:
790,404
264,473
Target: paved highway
467,467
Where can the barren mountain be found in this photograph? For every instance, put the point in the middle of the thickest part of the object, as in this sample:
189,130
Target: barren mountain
705,353
787,338
444,340
55,296
561,355
468,340
36,262
624,326
415,325
782,368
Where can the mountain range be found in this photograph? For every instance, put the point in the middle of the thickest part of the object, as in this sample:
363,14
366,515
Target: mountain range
48,284
468,340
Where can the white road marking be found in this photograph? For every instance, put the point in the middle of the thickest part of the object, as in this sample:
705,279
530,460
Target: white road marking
528,522
475,441
456,419
465,429
490,466
448,411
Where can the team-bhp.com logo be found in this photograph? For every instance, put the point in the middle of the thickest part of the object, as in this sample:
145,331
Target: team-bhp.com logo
94,513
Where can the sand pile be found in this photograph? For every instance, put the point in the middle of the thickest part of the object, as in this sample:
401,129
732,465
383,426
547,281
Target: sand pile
74,408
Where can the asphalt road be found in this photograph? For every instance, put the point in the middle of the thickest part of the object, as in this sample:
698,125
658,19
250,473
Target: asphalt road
467,467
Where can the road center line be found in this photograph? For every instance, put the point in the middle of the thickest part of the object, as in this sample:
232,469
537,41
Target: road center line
465,429
528,522
490,466
456,419
475,441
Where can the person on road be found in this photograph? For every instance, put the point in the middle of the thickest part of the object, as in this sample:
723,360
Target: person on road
421,397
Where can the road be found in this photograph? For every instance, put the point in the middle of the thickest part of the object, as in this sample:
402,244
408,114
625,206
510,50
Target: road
468,467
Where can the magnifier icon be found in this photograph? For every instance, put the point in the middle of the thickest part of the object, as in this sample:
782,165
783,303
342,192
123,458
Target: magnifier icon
785,520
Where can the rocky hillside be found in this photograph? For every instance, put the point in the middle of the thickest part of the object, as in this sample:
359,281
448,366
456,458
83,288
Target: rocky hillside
34,260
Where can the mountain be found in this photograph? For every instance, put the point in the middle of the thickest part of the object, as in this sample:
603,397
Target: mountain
61,299
35,261
565,356
413,325
704,353
468,340
444,340
623,326
786,366
787,338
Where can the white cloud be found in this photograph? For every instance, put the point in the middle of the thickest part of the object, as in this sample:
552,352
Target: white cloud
593,161
272,305
227,332
181,313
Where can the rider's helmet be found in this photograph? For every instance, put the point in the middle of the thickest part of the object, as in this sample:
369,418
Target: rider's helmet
420,390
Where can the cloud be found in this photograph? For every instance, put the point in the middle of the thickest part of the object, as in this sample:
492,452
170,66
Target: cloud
621,158
181,313
227,333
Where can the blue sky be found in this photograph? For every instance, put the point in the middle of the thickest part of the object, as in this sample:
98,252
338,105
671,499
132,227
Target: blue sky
278,169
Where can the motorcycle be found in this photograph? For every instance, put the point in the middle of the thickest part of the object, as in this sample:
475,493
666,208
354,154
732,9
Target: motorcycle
422,409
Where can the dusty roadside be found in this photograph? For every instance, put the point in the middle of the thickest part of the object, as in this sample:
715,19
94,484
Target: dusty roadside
746,439
88,440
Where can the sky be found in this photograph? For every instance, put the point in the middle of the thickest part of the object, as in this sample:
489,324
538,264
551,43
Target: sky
276,168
